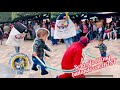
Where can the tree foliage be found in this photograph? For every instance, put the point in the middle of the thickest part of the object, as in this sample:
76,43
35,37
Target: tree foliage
5,16
17,15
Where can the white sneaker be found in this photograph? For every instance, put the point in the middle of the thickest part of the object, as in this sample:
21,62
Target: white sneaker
115,38
110,38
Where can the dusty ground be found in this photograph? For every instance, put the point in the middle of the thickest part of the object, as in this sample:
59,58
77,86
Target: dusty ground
58,50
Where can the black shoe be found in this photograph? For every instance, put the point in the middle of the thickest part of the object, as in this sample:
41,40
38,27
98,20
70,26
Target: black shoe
35,69
44,72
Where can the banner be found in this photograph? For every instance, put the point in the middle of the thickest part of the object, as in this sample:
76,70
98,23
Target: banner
15,38
63,29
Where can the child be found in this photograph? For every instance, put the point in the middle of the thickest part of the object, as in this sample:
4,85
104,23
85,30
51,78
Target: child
102,47
38,50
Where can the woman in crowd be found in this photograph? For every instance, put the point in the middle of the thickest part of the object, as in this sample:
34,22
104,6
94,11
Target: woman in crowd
84,28
94,30
77,37
90,29
100,30
54,41
114,31
107,31
1,35
30,30
36,26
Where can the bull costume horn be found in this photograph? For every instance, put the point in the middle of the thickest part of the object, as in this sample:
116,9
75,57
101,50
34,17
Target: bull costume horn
20,27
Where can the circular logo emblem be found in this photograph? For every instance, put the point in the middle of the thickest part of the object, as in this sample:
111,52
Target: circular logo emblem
19,61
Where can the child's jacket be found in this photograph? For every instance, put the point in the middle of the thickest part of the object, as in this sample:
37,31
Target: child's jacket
39,46
102,48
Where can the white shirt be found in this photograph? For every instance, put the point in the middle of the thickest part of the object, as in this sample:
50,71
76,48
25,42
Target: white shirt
36,28
94,28
52,31
100,29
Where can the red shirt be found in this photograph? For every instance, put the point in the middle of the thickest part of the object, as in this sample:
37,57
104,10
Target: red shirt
72,56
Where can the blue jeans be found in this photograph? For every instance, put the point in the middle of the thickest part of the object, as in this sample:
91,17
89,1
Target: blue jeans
68,41
77,37
17,49
90,35
103,54
100,36
37,62
54,41
94,34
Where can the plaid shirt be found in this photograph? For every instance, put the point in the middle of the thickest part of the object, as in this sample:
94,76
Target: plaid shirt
102,48
39,46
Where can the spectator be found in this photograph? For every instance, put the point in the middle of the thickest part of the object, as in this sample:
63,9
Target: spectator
90,29
107,31
77,37
36,27
30,30
114,31
44,25
54,41
94,30
6,29
100,30
1,35
84,28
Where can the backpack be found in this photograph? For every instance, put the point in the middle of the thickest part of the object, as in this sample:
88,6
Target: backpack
85,29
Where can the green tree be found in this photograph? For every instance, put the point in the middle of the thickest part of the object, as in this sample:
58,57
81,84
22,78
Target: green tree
5,16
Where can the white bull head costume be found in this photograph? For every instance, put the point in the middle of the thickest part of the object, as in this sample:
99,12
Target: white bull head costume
17,34
64,27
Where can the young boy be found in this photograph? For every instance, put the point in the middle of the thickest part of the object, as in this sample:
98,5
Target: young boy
38,50
102,47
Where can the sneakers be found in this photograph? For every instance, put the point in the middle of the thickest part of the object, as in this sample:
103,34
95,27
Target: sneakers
110,38
35,69
115,38
44,72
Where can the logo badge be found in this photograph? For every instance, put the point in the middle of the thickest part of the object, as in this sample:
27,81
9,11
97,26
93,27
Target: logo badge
20,63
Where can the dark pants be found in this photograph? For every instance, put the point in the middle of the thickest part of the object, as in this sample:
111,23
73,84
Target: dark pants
90,35
30,33
54,41
77,37
100,35
37,62
94,34
1,38
17,49
103,54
